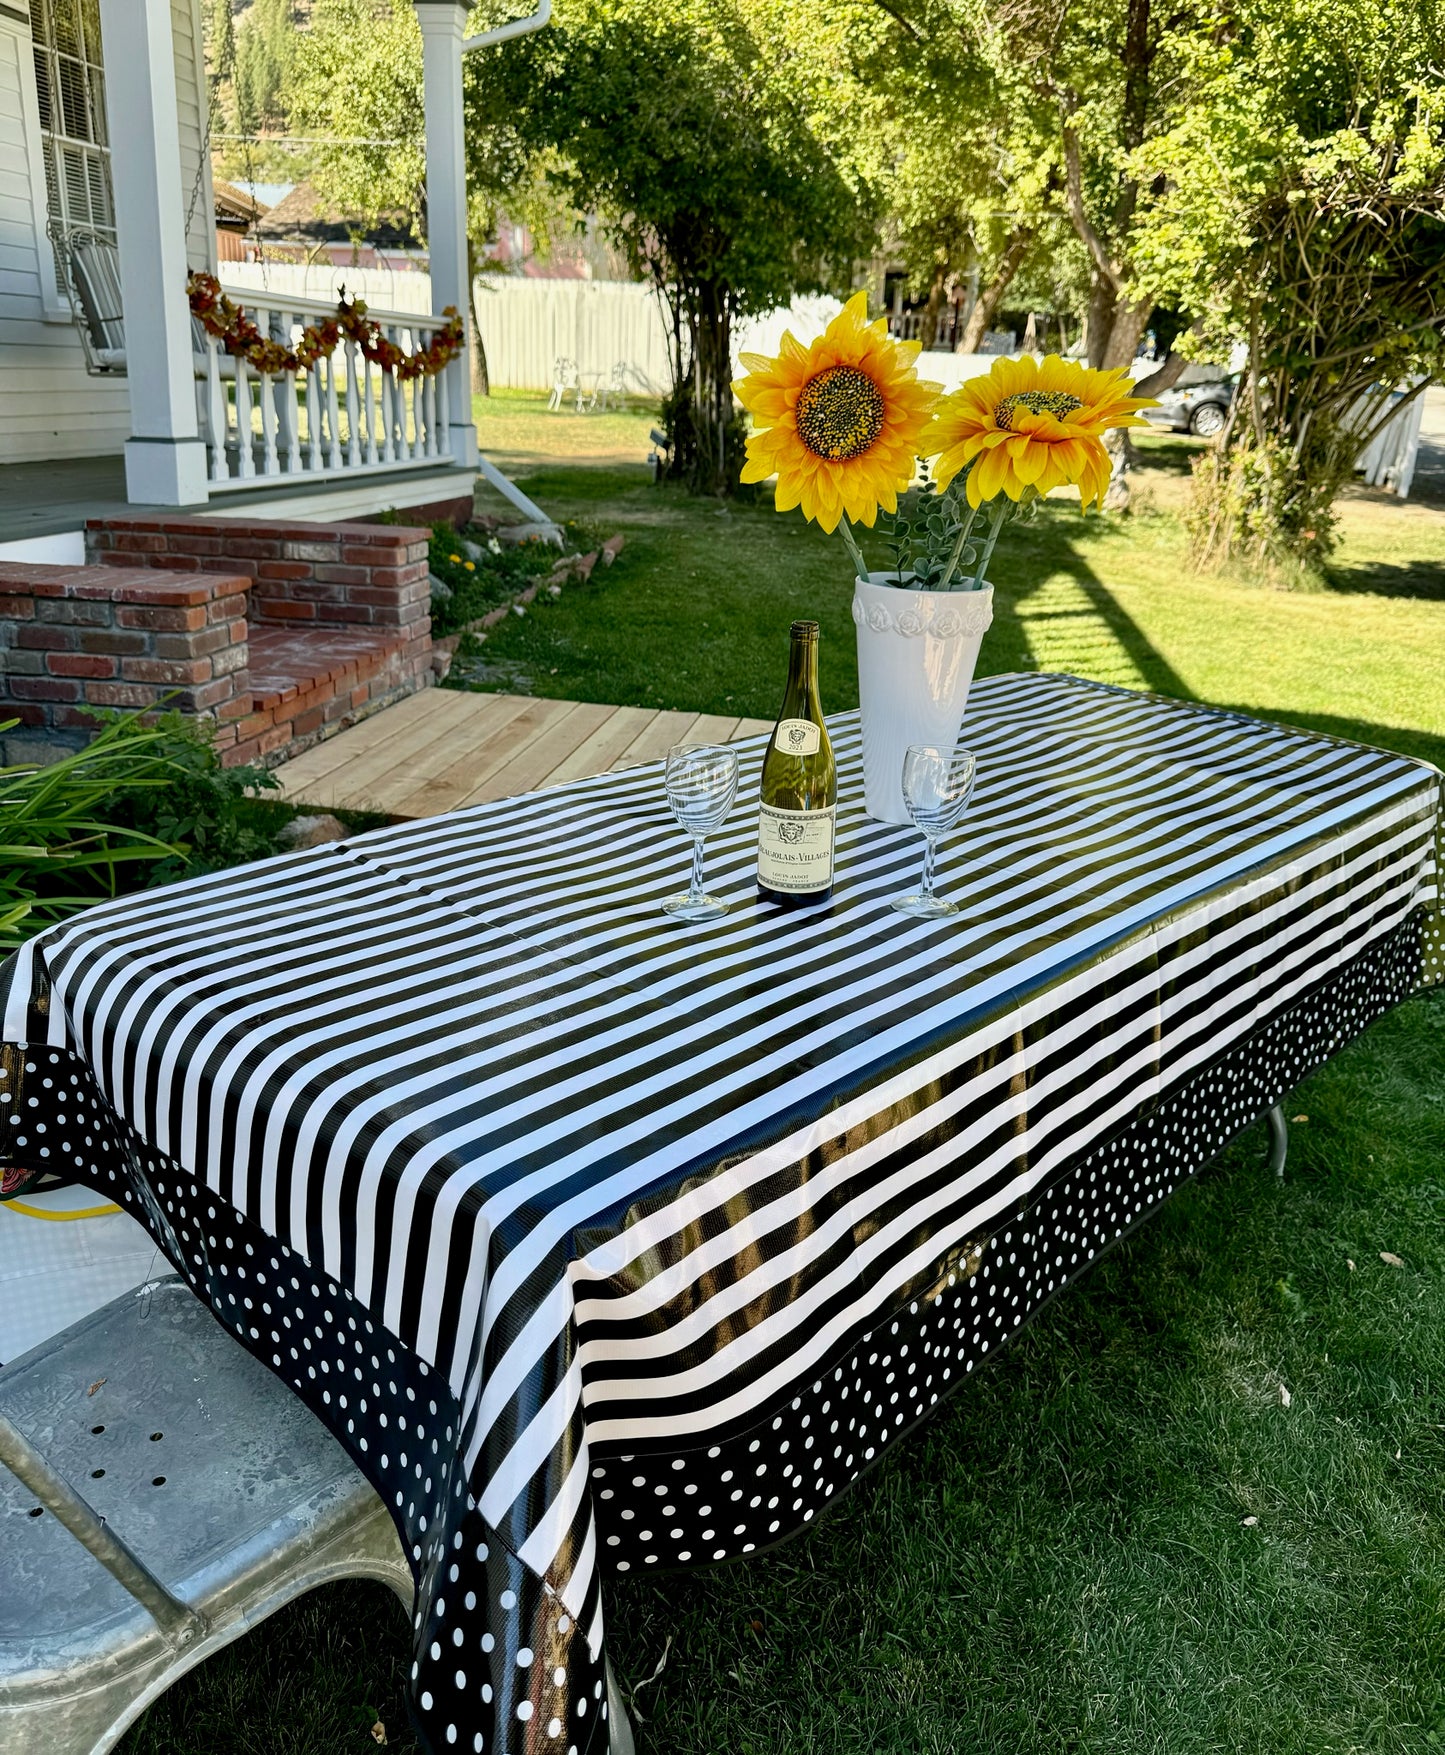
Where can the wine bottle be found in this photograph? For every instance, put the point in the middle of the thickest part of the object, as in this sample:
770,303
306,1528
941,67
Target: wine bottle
799,794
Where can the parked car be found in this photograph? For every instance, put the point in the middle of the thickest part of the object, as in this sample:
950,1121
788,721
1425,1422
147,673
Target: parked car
1196,404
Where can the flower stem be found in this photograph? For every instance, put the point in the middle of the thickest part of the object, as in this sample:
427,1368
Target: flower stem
996,523
945,582
845,530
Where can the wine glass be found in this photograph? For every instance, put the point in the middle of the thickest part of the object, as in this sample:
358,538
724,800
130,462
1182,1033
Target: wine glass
702,781
937,785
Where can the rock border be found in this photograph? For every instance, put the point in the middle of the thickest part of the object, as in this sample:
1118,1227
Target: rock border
571,569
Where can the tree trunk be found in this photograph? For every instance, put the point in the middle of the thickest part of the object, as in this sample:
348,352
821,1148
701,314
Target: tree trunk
480,376
714,468
987,303
1126,331
1100,320
928,328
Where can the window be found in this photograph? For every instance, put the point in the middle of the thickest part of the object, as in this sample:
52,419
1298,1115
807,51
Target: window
73,139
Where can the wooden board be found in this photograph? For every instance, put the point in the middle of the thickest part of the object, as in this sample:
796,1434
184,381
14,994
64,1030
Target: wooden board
442,748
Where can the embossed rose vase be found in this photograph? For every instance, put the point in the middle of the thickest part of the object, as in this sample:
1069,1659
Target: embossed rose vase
916,655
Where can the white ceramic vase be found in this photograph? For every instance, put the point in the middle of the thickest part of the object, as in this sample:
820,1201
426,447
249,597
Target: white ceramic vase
916,653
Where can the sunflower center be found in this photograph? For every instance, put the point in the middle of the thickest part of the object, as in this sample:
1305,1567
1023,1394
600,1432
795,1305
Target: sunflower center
839,413
1055,402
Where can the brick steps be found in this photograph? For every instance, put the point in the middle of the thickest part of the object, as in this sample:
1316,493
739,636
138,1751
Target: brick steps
305,680
278,632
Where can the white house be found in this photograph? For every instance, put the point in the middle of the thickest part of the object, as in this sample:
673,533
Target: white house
105,205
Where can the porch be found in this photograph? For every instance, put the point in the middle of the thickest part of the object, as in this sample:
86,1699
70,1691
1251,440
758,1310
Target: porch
48,503
113,340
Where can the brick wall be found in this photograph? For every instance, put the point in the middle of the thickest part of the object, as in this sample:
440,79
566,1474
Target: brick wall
78,637
329,575
282,633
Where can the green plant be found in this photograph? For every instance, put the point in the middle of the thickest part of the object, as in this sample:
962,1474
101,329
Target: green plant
59,849
146,802
480,573
207,814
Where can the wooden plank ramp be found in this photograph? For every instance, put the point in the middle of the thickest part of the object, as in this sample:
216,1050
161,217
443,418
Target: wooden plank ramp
441,749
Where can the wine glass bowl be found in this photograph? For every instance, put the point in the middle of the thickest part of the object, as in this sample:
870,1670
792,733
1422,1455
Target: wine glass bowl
701,781
937,786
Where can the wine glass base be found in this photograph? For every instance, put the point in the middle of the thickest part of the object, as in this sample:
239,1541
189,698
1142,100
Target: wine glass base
923,907
694,907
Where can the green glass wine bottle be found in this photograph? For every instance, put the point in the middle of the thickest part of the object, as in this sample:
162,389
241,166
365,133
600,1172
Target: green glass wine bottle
799,794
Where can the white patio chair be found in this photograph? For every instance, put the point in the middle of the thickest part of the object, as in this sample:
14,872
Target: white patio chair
615,387
565,377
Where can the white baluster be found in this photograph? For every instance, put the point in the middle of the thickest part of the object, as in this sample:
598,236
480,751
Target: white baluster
369,389
353,406
429,402
315,461
269,464
336,456
443,413
291,415
216,411
245,463
388,416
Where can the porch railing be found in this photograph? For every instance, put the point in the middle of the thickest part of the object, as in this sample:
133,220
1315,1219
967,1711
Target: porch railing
346,416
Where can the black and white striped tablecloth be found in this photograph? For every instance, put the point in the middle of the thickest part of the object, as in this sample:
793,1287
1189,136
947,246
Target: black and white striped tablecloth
605,1243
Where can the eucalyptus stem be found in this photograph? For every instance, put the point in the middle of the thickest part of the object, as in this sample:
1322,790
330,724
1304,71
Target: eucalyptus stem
846,531
996,523
944,584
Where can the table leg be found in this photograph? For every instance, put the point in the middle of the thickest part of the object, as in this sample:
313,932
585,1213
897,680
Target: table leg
1278,1139
621,1740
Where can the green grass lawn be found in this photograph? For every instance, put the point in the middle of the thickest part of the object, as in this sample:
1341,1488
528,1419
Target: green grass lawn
1060,1560
695,614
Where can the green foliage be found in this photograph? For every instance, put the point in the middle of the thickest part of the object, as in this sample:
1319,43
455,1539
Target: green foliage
204,810
142,803
1302,209
480,572
265,46
713,180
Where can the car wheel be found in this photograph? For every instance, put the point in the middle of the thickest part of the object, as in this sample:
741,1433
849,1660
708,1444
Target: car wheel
1207,420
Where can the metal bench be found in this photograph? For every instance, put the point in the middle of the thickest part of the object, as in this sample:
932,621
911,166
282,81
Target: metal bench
222,1497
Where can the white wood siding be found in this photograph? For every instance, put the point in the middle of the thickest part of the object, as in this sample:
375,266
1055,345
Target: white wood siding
190,113
49,405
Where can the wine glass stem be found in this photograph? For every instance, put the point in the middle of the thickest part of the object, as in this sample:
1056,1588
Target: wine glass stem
930,853
694,893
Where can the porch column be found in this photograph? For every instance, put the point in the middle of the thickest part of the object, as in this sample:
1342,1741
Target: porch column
165,457
443,26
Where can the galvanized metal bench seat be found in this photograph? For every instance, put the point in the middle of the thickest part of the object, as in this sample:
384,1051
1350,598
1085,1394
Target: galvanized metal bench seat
218,1484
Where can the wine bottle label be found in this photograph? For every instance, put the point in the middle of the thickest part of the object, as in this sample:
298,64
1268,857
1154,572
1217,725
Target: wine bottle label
795,847
796,737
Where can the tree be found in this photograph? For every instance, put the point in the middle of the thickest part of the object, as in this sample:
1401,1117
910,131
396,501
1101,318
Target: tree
1302,210
264,50
687,128
357,77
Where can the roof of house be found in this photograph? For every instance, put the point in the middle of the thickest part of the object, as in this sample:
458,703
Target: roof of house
233,203
304,216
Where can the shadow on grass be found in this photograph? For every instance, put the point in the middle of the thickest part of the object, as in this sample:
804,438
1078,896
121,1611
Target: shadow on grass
1036,566
1421,580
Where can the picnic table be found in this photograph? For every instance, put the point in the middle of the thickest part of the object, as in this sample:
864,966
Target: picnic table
608,1246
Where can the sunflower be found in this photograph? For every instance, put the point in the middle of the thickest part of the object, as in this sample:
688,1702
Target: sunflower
838,421
1032,424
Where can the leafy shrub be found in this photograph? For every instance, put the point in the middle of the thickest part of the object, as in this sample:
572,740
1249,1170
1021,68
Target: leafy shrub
211,816
143,803
480,572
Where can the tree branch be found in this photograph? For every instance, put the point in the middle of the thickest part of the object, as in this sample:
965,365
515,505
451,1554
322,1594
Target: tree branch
1074,188
898,19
